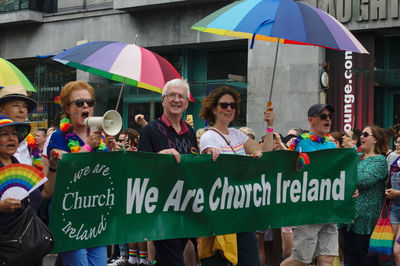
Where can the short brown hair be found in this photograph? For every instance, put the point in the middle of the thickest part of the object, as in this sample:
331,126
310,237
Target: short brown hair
211,101
71,86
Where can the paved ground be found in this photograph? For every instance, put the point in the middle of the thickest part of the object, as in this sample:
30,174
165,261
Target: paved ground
49,260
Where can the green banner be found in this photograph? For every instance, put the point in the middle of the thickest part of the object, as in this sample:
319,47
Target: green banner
120,197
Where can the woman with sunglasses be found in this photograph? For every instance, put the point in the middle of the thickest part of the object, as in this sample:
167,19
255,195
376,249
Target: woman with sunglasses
372,175
77,103
220,108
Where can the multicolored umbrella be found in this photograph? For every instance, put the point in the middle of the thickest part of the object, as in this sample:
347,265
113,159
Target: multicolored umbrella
11,75
289,21
281,21
122,62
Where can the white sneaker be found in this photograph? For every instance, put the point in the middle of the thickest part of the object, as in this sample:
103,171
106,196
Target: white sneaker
118,262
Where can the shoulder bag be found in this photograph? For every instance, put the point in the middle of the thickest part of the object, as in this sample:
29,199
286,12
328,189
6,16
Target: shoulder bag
25,240
382,238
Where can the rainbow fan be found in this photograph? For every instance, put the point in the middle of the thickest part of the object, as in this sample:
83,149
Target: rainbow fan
18,180
302,160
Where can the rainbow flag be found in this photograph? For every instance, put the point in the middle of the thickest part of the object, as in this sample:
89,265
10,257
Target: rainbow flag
57,100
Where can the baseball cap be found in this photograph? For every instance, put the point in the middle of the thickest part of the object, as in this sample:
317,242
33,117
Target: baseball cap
318,108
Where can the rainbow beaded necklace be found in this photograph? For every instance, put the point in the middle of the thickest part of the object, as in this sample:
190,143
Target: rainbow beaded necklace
309,136
73,140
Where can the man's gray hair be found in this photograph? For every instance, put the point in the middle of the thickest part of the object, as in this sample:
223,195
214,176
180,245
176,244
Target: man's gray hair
176,83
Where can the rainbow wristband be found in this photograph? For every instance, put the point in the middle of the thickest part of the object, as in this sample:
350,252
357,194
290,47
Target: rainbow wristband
270,129
87,147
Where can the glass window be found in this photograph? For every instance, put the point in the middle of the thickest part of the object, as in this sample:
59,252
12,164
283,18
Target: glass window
48,77
39,5
222,63
394,53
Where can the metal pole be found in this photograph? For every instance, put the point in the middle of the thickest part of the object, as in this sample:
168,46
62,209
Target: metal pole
273,72
120,94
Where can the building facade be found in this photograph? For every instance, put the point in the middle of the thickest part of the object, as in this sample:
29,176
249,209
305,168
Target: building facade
32,31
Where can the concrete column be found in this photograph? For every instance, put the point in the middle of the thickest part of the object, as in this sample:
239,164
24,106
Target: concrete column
296,85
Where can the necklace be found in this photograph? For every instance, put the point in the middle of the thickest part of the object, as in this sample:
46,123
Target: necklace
35,151
309,136
72,139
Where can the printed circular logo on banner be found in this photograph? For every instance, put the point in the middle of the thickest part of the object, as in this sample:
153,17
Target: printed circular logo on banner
89,193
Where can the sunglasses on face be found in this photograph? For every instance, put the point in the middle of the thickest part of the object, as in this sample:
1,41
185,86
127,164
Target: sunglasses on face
81,102
325,116
225,105
366,134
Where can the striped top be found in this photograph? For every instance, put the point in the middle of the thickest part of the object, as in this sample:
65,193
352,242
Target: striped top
211,139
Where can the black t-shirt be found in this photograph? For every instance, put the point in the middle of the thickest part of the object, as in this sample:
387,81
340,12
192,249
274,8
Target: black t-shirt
157,136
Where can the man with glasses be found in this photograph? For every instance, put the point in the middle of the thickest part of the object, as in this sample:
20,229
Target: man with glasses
169,134
315,240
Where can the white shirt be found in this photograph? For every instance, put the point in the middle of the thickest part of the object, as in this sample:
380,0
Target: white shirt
22,153
237,139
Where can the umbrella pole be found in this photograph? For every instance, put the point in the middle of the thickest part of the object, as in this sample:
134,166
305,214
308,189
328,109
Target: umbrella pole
120,94
273,75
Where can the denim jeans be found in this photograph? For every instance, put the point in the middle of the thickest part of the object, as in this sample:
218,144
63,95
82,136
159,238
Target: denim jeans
96,256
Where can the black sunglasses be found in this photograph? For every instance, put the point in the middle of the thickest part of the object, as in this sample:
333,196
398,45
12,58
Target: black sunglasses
366,134
225,105
80,102
325,116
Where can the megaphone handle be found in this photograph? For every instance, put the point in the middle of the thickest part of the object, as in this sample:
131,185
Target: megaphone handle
94,129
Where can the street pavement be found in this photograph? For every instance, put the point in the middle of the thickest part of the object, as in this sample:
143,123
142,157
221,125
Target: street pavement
49,260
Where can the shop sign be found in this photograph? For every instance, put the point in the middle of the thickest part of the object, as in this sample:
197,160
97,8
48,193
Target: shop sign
359,10
348,105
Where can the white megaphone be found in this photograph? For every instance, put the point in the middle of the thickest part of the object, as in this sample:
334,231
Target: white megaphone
110,122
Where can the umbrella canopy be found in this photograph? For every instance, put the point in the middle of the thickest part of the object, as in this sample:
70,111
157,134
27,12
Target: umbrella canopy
11,75
122,62
289,21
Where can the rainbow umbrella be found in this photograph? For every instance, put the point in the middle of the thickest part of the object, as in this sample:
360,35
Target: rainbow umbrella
11,75
280,21
122,62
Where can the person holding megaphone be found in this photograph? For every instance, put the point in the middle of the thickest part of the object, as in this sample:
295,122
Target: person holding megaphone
77,133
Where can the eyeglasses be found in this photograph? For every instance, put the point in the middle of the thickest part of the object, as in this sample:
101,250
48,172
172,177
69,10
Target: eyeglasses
80,102
225,105
172,96
365,134
325,116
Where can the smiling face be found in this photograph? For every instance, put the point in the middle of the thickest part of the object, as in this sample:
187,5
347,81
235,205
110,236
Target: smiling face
226,115
8,141
368,140
17,110
78,114
320,127
348,138
175,102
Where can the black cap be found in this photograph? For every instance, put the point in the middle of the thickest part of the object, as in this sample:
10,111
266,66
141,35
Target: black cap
318,108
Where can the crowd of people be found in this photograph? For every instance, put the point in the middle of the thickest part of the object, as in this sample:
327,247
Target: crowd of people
378,176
